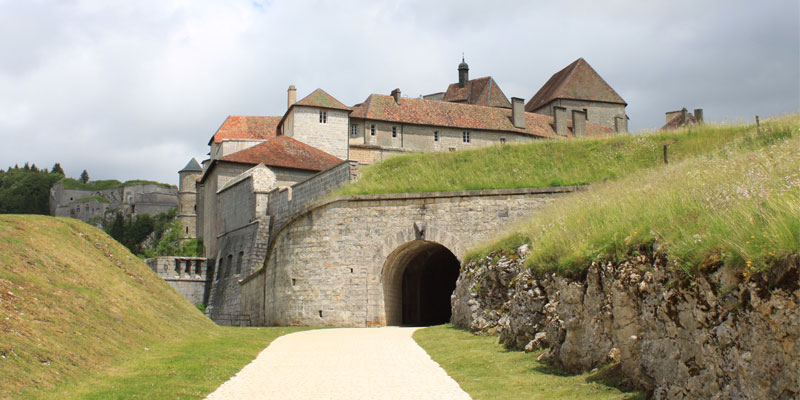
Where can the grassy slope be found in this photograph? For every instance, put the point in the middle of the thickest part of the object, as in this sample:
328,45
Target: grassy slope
549,163
77,311
739,208
486,370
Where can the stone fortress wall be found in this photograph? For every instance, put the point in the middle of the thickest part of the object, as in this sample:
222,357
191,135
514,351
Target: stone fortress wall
134,199
190,276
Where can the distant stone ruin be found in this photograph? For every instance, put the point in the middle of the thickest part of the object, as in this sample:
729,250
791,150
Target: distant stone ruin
681,118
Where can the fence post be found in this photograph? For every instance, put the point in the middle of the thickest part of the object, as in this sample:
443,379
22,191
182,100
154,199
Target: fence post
758,125
666,160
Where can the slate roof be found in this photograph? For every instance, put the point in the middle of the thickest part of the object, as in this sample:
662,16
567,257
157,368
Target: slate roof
577,81
192,166
246,127
320,98
458,115
283,151
482,91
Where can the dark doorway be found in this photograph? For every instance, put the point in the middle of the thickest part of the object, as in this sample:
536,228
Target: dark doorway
428,281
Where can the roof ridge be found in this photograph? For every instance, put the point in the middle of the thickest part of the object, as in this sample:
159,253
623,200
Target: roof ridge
566,80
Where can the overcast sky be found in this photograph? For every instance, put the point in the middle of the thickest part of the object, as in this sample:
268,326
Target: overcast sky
134,89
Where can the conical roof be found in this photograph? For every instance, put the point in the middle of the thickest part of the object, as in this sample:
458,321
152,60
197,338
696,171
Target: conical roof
192,166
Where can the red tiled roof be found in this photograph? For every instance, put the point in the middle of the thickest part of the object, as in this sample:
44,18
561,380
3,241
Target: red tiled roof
458,115
482,91
283,151
578,81
320,98
244,127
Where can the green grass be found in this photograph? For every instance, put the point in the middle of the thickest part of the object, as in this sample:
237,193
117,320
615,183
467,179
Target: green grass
70,183
99,199
738,208
486,370
183,368
557,162
77,311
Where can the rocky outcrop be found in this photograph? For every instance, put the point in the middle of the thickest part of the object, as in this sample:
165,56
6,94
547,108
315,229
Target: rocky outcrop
714,335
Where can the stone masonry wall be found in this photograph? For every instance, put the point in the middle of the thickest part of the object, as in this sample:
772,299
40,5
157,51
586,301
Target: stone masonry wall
330,137
325,266
598,112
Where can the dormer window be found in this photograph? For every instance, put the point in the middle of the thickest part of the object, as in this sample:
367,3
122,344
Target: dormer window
323,117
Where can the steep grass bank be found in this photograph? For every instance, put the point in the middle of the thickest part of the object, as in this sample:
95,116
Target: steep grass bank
561,162
76,305
740,209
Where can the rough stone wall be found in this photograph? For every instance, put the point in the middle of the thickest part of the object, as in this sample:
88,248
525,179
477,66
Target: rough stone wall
187,202
717,336
207,204
189,276
325,267
253,297
597,112
330,137
369,154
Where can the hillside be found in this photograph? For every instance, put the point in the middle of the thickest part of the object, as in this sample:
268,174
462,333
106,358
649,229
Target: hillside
73,300
70,183
562,162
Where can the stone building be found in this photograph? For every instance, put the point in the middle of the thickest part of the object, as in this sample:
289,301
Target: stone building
129,198
681,118
263,170
578,88
187,196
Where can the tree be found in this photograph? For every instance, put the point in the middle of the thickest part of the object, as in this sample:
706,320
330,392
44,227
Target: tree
84,177
57,169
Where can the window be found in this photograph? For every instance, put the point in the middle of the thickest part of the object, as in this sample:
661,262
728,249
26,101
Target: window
372,130
394,131
465,136
354,130
323,117
435,136
586,111
502,140
229,263
239,260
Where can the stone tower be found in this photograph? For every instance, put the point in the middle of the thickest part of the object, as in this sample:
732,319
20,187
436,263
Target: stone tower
463,73
187,197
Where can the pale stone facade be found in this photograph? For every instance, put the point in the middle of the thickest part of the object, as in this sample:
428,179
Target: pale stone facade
330,136
607,114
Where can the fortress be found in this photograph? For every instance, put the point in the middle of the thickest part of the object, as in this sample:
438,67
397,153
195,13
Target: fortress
273,255
129,198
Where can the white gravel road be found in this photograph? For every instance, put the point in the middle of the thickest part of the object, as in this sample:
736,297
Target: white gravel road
348,363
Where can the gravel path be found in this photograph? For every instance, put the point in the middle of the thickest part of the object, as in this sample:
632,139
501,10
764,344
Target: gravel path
347,363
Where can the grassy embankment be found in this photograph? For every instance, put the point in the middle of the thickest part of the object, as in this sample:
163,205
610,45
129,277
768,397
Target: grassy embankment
555,162
70,183
81,317
739,208
486,370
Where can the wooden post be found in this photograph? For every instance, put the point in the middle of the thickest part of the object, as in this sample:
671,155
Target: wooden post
758,126
666,161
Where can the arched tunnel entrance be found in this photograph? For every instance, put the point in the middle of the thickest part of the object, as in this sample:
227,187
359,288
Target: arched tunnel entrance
418,279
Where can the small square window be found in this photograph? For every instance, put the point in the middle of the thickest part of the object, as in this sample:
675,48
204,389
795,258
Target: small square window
354,130
502,140
372,130
465,136
323,117
435,136
394,131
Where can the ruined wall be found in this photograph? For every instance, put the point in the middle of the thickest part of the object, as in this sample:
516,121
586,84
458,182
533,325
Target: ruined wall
189,276
324,267
717,336
140,199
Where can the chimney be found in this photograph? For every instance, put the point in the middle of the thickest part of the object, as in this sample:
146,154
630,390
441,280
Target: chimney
518,112
698,115
579,123
396,95
560,120
292,96
683,116
621,124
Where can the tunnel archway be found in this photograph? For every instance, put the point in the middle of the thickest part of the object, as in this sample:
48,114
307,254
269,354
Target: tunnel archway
418,279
